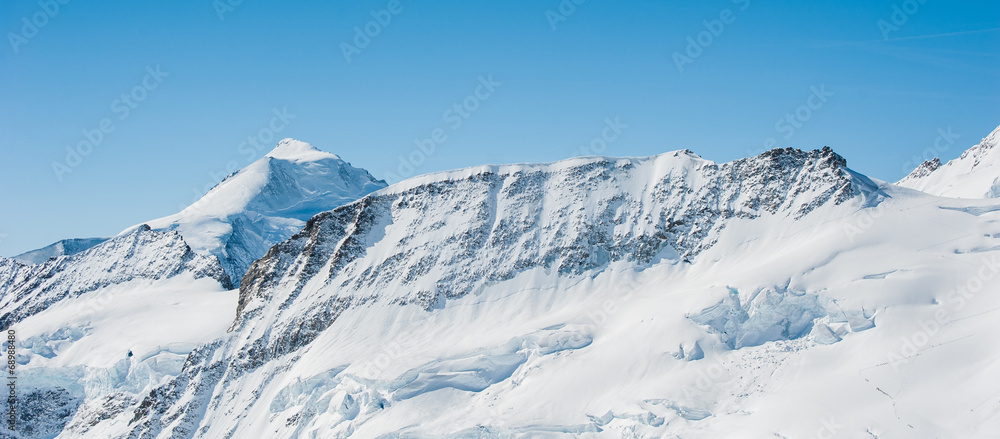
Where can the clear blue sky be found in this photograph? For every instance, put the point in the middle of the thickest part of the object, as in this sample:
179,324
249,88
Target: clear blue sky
558,84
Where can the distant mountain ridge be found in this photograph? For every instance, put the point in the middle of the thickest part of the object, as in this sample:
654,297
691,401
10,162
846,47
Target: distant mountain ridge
65,247
142,254
975,174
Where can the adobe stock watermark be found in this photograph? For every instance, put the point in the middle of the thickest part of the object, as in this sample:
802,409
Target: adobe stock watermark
828,428
12,406
363,35
864,221
94,304
611,306
957,298
30,27
455,117
714,28
562,12
252,148
223,7
609,134
792,121
900,15
373,368
945,140
123,106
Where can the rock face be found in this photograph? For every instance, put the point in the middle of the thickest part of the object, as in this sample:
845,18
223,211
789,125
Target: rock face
446,235
975,174
143,254
449,234
267,202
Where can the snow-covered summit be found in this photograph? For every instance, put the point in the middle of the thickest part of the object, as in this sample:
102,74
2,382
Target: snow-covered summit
975,174
297,150
266,202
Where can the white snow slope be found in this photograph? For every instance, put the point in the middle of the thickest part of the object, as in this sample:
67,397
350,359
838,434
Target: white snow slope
267,202
779,296
976,174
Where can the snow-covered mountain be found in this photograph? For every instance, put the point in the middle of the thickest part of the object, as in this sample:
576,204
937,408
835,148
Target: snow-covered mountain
975,174
444,293
782,295
80,305
75,316
266,202
141,255
65,247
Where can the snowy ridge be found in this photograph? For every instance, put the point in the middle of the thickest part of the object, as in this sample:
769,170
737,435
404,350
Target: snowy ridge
267,202
64,247
446,235
975,174
26,290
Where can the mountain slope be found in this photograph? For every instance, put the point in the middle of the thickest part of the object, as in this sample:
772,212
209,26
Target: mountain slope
975,174
457,285
266,202
66,247
782,295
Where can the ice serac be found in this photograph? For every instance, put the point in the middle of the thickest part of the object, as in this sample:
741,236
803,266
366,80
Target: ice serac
267,202
975,174
65,247
143,254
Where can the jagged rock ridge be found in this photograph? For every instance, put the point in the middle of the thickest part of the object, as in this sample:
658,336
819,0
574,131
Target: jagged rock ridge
448,235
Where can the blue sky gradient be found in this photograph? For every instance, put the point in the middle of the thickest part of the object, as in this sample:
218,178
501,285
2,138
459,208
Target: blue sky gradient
878,81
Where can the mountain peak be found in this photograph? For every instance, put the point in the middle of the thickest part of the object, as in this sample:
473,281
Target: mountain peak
925,169
297,150
975,174
267,202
